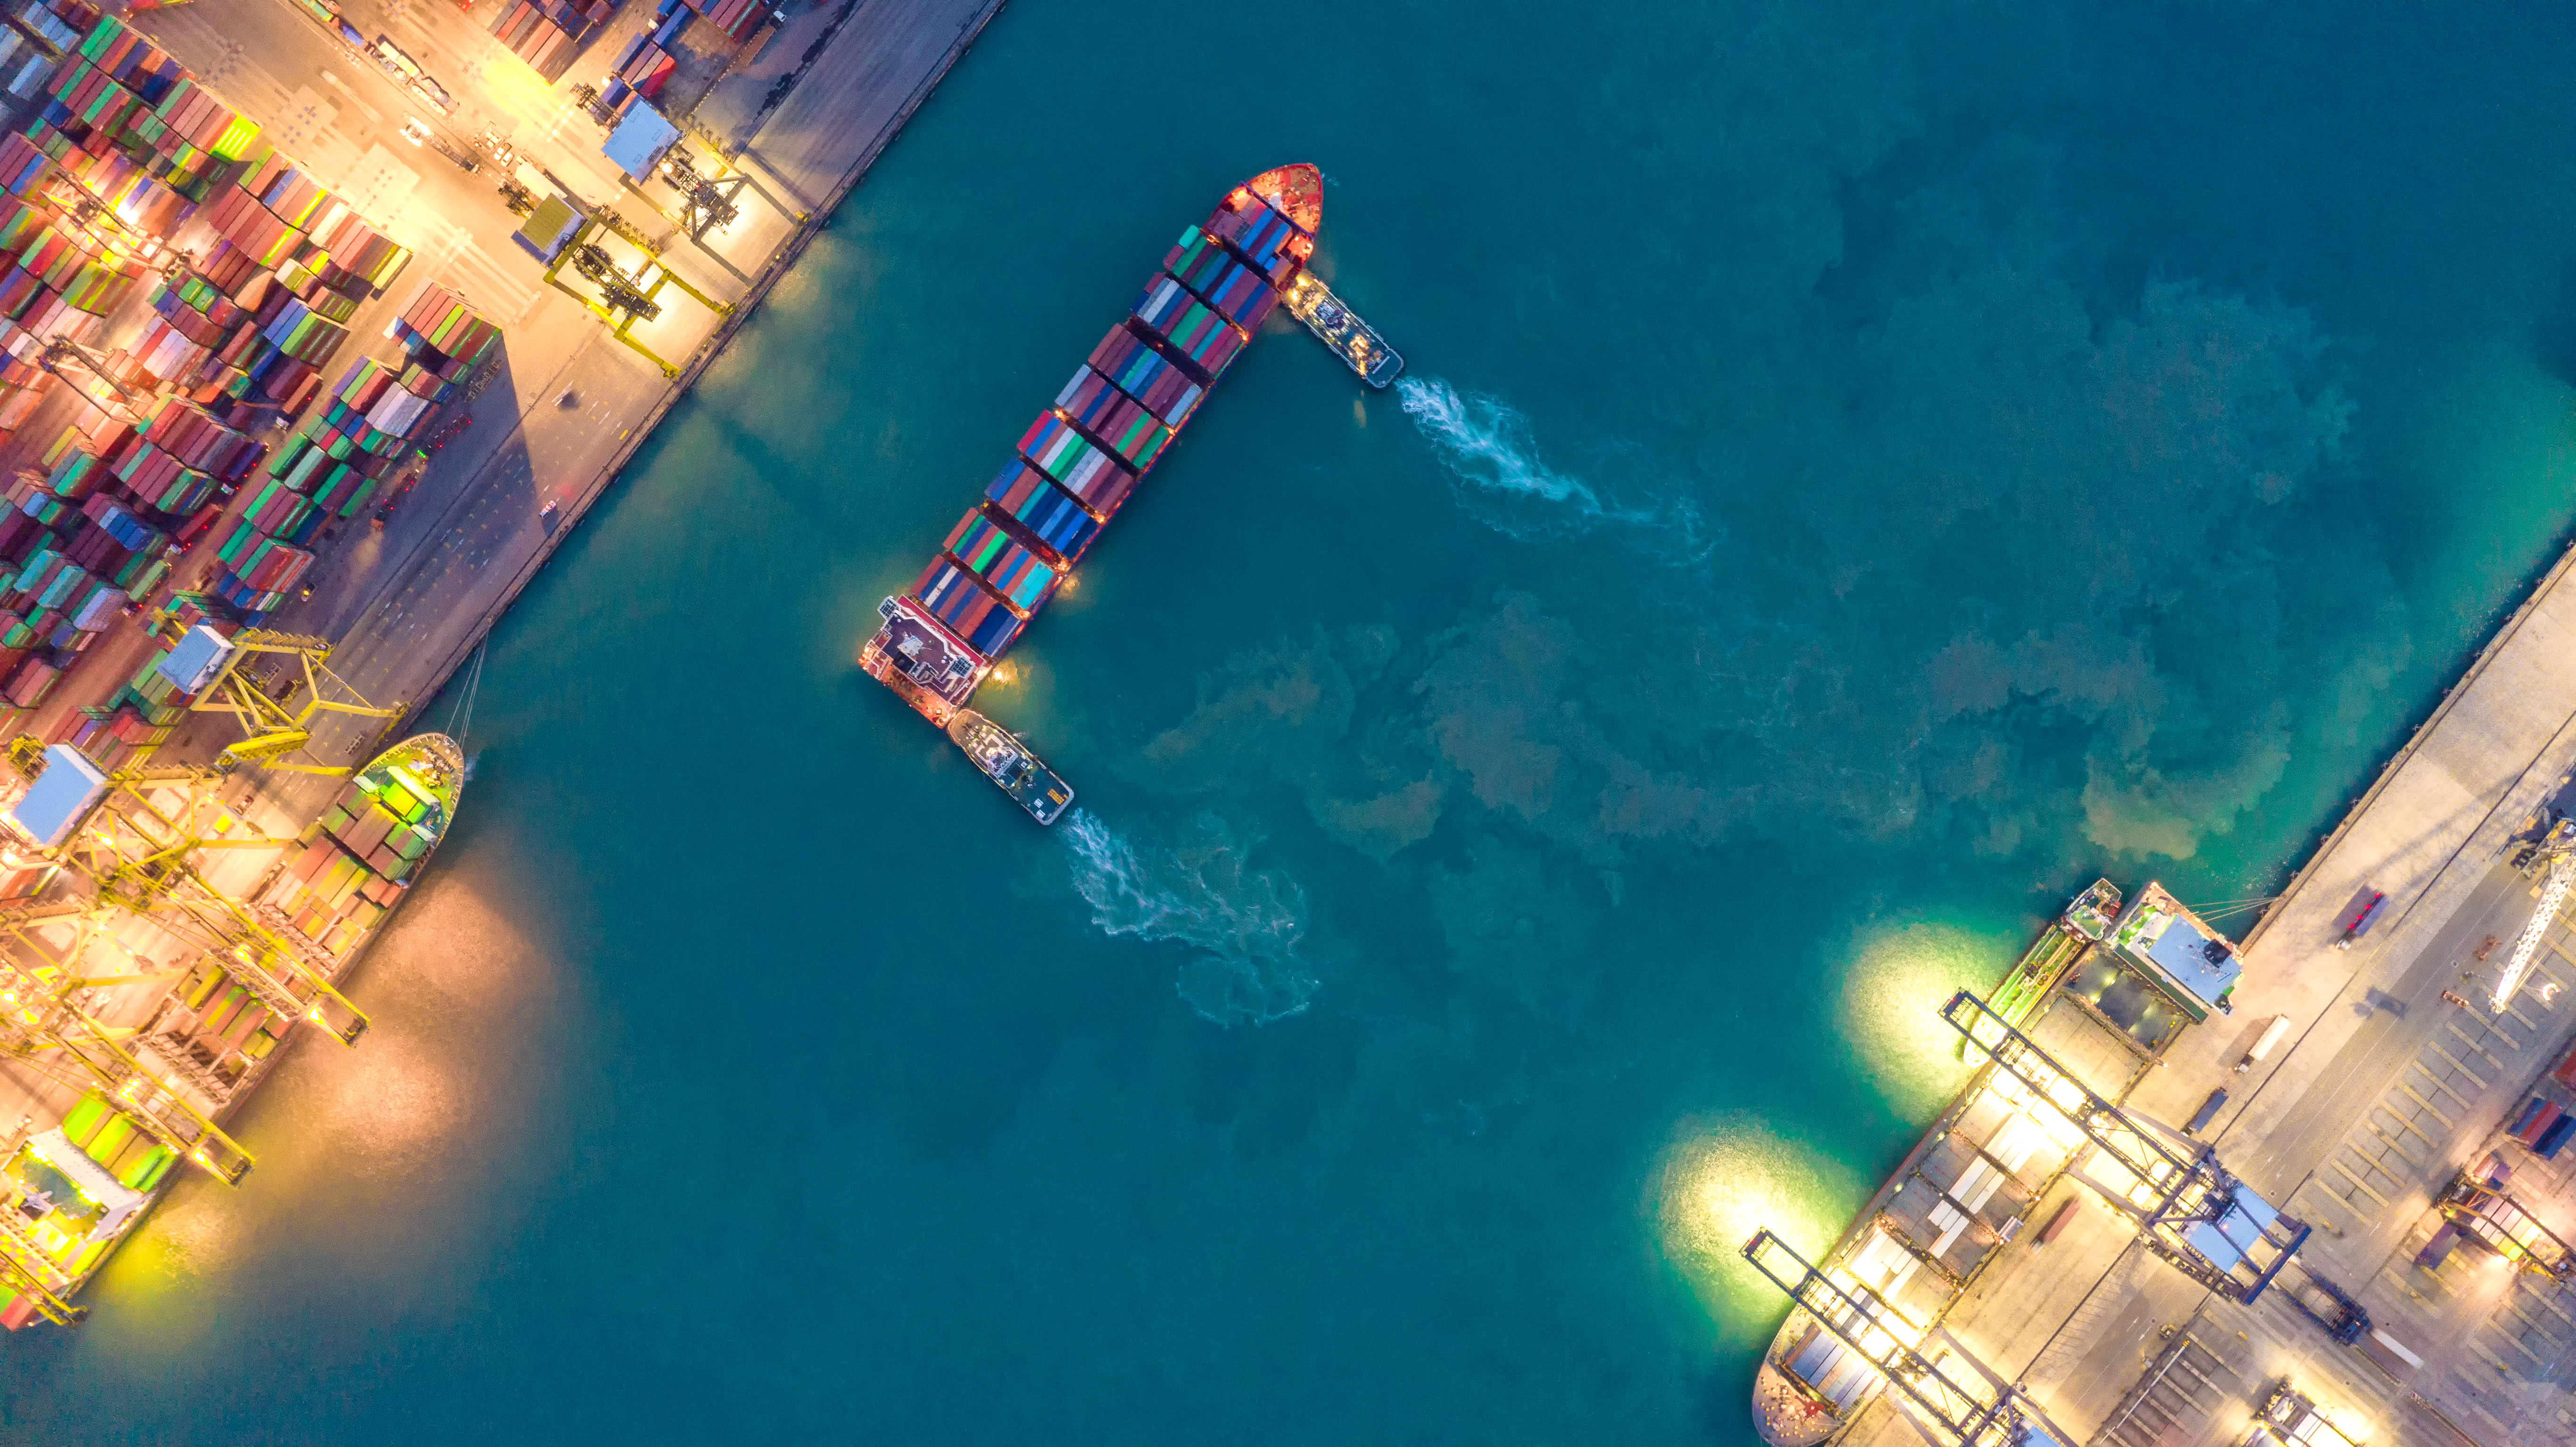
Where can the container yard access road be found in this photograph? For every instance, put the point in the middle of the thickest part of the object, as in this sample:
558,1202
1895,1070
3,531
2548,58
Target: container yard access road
407,609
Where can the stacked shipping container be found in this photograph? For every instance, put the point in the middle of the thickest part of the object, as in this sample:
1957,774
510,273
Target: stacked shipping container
129,151
2546,1125
90,535
734,17
356,860
377,409
547,33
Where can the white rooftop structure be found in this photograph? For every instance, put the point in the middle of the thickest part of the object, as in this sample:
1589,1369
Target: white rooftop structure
61,797
196,660
640,140
2159,933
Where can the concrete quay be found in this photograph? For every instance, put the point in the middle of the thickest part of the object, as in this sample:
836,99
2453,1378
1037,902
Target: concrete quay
2386,1086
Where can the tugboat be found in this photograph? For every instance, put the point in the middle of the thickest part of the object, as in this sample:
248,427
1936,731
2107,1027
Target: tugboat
1005,759
1338,327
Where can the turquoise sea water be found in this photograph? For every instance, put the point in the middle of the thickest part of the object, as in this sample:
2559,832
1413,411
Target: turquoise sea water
1866,470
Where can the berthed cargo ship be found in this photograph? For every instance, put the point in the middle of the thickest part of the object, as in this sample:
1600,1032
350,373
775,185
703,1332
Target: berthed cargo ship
356,861
2088,1011
1081,460
70,1194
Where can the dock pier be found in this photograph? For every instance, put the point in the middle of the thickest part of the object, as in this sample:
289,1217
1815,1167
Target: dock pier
2393,1104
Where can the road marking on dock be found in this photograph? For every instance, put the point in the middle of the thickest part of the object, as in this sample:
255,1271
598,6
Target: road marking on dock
2397,1138
2426,1101
2476,1046
2546,1304
2435,1047
471,270
379,184
2358,1183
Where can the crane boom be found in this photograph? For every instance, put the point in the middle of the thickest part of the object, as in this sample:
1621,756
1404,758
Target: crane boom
2526,946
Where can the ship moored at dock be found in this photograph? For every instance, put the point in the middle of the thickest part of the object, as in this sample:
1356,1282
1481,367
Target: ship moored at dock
2070,1031
262,963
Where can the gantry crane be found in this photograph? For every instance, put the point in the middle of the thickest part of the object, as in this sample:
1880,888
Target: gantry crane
46,1030
124,845
1998,1416
2210,1226
140,857
2480,1211
211,667
2290,1418
2557,849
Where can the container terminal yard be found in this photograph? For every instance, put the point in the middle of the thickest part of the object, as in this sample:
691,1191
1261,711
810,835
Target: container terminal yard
323,327
2313,1186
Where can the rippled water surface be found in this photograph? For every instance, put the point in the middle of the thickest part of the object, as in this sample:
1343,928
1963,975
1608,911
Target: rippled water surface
1864,470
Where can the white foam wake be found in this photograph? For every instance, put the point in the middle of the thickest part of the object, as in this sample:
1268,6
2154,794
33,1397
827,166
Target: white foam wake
1242,925
1487,444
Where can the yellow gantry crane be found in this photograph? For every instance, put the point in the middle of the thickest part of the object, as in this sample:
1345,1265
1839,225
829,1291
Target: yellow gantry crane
126,845
212,667
43,1028
139,856
46,1029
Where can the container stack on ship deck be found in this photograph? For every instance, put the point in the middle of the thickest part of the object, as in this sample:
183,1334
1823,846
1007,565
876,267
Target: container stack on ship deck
1079,462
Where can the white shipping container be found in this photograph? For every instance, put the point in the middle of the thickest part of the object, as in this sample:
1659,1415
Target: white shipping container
397,411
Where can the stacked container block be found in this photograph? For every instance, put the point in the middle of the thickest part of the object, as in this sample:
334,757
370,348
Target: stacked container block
546,33
353,863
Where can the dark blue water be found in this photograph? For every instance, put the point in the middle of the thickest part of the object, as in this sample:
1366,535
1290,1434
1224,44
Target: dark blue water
1867,470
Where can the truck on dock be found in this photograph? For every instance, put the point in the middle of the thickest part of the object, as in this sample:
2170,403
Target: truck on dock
2324,1303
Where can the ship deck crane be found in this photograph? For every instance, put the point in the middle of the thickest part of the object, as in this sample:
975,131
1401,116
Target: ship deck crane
2558,850
2209,1225
2001,1416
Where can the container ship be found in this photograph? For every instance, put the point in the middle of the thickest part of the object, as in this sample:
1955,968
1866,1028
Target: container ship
70,1194
1081,460
338,881
356,861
